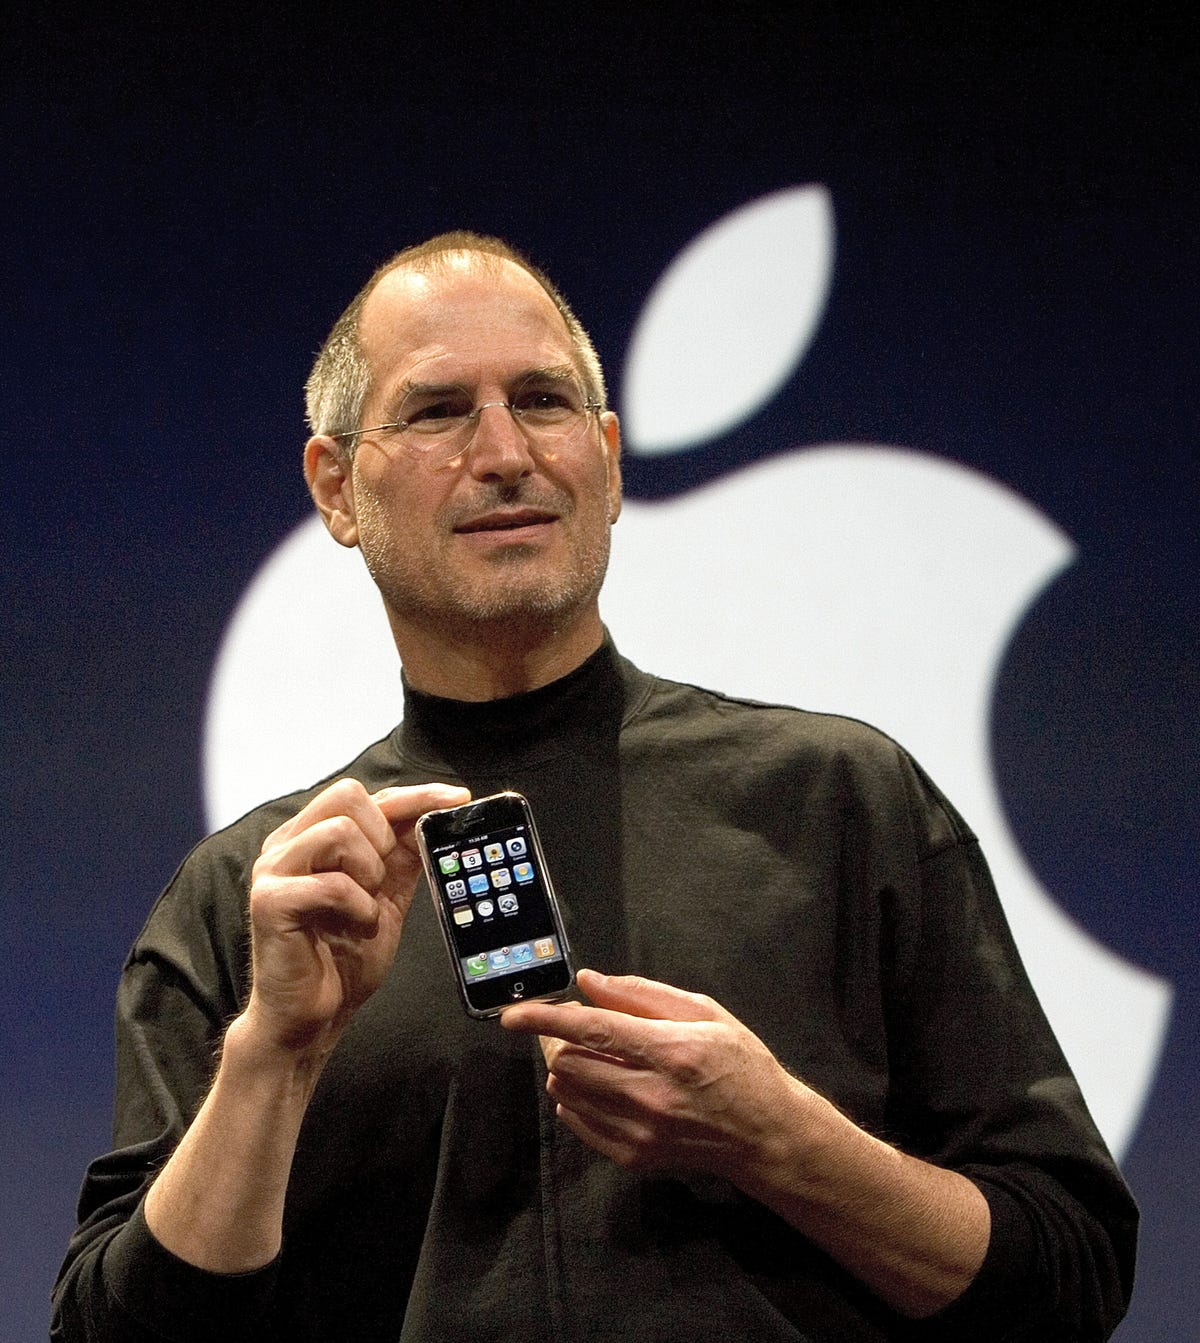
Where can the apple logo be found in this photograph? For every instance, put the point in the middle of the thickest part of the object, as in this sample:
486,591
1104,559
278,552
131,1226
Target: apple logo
862,579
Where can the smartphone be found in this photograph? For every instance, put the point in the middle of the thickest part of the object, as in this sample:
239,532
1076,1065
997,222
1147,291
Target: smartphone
495,904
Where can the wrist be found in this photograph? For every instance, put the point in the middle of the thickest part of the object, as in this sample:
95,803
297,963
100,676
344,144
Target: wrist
804,1139
254,1058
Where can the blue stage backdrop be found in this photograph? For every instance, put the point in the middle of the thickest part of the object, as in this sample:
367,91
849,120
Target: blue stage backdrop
902,327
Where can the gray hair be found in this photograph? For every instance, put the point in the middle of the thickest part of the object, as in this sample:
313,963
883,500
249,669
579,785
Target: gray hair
337,387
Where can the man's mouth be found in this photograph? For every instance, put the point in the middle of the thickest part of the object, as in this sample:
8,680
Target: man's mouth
506,520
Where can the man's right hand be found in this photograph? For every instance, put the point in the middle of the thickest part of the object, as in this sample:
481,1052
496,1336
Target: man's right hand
328,899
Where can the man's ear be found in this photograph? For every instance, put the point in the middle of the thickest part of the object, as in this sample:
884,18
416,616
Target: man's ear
610,428
327,470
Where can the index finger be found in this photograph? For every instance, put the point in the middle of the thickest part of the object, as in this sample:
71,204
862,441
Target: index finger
402,806
596,1029
641,997
344,797
374,813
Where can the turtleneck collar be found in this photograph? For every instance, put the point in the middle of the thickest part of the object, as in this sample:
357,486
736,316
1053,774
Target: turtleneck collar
582,707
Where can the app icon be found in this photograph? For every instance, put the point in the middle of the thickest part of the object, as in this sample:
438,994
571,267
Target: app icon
478,882
456,890
517,847
523,872
500,959
522,954
507,904
493,852
485,909
463,915
477,965
471,858
544,947
501,877
448,862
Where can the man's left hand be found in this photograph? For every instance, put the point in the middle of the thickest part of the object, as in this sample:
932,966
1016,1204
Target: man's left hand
660,1079
663,1080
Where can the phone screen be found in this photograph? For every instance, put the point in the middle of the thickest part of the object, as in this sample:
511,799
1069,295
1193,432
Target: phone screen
495,902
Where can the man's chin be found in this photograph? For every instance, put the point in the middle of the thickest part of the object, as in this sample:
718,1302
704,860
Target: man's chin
517,586
539,604
520,582
504,602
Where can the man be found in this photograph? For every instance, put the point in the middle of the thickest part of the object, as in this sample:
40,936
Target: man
851,1123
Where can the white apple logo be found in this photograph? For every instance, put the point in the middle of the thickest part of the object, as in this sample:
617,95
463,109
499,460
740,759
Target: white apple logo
868,580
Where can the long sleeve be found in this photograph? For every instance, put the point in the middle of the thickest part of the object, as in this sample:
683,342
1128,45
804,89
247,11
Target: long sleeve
180,985
977,1072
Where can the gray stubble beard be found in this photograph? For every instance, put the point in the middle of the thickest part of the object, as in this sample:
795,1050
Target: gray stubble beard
529,608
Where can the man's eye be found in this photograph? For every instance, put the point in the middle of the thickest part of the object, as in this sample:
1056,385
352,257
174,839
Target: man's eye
437,414
439,410
544,401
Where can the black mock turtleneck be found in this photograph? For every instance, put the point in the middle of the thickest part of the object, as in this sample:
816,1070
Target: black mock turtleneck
501,735
801,870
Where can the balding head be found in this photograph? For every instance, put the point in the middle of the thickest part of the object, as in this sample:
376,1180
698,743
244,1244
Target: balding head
340,380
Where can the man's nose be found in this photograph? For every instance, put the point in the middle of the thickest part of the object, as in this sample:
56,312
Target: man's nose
498,449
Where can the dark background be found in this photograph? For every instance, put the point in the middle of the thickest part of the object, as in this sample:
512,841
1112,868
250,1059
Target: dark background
188,203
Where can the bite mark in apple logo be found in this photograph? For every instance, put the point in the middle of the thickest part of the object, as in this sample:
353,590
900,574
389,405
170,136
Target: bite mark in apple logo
863,579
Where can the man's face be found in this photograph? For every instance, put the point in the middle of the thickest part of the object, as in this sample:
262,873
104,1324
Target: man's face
505,532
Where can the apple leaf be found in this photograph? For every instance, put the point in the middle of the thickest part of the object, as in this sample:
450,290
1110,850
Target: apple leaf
728,321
